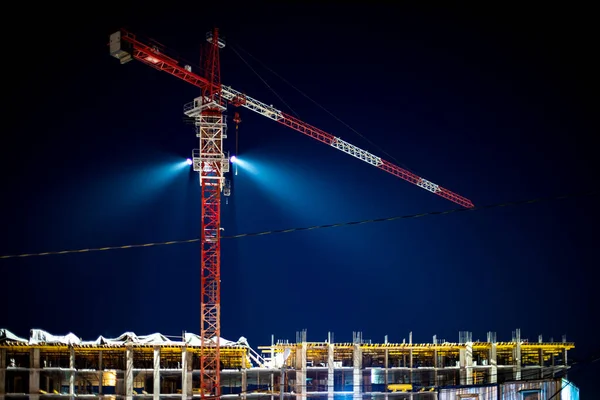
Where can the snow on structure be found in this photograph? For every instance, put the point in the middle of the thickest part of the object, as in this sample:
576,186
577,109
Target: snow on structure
160,366
39,336
6,335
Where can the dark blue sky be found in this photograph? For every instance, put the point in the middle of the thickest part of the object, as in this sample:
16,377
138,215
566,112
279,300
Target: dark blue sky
493,104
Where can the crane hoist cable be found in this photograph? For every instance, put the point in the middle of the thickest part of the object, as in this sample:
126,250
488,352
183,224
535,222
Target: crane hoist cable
265,82
348,126
237,119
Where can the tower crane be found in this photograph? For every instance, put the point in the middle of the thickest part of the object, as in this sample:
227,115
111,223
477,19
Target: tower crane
210,161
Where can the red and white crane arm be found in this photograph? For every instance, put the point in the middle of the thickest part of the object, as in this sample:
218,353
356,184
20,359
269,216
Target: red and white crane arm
125,46
240,99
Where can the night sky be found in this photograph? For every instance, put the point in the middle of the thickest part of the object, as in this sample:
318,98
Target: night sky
494,104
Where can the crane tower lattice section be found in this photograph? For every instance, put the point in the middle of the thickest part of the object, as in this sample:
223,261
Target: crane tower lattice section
211,163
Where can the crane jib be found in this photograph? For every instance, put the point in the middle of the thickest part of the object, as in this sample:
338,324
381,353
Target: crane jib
125,47
271,112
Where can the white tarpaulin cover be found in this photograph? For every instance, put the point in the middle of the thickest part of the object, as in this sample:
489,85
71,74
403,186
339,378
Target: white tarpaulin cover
6,335
38,336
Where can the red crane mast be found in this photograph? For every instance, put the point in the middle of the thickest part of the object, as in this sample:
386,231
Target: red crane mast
209,160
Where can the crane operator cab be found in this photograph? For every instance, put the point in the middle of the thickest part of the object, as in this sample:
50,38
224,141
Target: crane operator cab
119,49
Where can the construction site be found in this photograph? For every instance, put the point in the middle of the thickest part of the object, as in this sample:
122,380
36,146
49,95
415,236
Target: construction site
156,366
207,365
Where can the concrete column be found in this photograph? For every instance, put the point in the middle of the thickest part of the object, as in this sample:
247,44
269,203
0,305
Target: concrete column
541,362
34,371
435,367
100,372
71,372
189,372
156,374
184,381
245,383
463,364
517,361
410,361
469,362
330,371
2,373
272,372
357,372
301,369
304,351
186,374
517,354
410,364
386,366
493,364
129,373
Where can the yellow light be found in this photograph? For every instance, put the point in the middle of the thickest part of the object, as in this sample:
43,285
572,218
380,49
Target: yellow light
109,378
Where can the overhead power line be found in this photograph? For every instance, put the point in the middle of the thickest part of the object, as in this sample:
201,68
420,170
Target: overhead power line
309,228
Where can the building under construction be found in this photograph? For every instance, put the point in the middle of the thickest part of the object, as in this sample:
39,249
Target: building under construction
156,366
